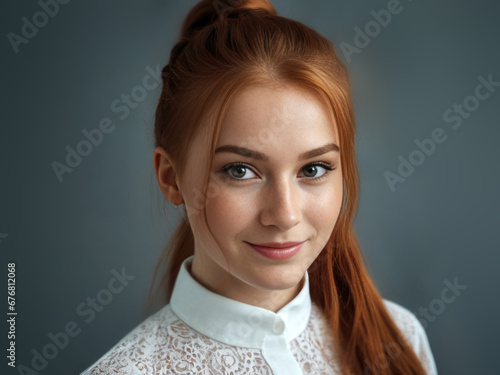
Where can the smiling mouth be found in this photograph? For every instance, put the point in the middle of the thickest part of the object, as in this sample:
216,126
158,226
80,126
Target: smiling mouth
283,250
277,245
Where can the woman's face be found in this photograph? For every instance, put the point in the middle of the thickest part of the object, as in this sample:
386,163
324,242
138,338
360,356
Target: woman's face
270,183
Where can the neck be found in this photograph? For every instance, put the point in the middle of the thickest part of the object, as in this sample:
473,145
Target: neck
231,287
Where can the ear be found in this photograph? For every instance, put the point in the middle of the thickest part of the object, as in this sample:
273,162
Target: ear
166,176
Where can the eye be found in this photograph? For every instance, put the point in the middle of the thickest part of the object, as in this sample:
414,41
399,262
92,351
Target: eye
237,171
311,170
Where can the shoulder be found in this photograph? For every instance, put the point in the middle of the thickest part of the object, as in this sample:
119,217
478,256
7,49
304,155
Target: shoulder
135,352
406,321
413,332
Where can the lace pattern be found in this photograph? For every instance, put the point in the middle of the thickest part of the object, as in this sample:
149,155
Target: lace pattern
163,344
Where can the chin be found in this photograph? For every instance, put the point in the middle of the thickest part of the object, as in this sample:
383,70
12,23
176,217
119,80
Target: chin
278,278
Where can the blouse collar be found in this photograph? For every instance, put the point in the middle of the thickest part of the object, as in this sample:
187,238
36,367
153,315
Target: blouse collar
233,322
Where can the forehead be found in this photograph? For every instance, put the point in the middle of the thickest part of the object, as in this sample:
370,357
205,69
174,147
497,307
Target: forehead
267,116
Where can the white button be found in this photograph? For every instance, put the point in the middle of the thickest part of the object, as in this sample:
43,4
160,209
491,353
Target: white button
279,326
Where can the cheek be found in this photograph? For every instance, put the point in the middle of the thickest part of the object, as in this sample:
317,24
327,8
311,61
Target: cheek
324,214
229,213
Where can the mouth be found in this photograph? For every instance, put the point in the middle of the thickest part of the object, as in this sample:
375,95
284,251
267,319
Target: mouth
275,250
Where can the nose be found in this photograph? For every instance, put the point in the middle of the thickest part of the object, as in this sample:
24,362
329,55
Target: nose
281,206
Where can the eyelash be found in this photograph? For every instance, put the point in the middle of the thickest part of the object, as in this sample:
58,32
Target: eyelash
227,167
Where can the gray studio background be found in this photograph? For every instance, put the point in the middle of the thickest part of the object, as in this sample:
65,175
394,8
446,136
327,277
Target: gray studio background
68,239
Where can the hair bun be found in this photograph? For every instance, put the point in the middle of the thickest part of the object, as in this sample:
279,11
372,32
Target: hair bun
206,12
254,4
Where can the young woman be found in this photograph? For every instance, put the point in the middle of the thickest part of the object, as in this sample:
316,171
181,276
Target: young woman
255,138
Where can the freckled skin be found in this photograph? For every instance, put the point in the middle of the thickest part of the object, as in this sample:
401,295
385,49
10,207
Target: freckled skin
273,201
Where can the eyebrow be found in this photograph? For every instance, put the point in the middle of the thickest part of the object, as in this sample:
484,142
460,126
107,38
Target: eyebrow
260,156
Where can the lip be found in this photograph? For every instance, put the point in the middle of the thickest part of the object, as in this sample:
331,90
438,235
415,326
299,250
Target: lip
277,245
276,250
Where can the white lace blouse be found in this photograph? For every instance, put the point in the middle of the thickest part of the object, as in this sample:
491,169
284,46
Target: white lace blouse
200,332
